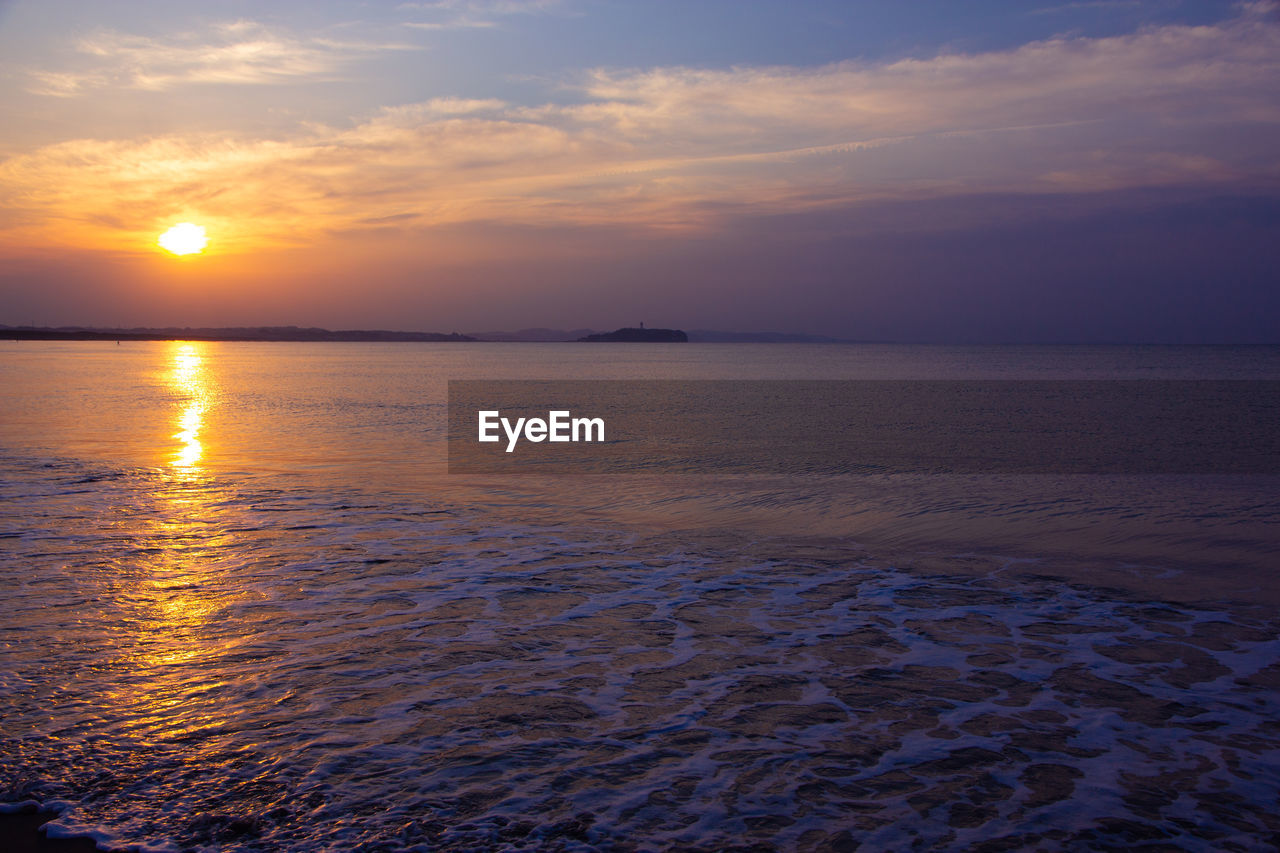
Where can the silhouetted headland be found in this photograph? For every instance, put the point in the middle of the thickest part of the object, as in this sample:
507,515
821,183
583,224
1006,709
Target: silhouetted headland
639,336
251,333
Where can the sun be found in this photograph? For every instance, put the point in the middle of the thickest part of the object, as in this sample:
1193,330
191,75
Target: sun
184,239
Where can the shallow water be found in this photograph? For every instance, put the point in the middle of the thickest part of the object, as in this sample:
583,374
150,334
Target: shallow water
245,608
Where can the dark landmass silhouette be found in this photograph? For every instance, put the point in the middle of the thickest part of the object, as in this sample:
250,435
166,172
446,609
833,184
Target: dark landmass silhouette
250,333
698,336
639,336
294,333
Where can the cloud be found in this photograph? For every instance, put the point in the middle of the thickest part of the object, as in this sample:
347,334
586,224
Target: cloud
1190,106
235,52
1173,74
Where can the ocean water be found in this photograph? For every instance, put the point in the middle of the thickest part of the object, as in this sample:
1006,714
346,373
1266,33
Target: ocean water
246,607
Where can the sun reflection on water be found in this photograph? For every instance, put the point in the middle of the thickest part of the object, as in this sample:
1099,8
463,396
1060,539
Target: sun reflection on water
178,582
189,378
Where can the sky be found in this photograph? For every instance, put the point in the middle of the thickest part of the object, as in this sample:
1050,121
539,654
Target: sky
944,171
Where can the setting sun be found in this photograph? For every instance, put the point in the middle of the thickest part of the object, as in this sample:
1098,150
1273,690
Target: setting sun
184,239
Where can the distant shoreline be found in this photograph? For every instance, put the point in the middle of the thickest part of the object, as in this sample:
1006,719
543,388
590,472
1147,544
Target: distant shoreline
639,335
525,336
295,333
286,333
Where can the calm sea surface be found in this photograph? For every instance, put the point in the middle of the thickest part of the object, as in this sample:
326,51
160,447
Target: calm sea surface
247,608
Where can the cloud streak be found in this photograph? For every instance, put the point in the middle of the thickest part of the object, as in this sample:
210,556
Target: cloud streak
677,147
237,52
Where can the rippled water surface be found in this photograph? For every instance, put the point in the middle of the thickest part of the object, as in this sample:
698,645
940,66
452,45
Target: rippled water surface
245,608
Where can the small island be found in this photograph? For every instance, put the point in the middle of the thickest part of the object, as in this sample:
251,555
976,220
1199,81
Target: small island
639,336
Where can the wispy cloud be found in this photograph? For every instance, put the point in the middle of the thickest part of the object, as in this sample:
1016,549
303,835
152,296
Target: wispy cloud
671,147
236,52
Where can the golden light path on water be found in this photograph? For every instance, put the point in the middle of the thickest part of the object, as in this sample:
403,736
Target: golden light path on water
181,588
188,377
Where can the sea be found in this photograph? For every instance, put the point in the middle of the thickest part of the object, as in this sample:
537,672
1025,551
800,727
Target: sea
246,606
